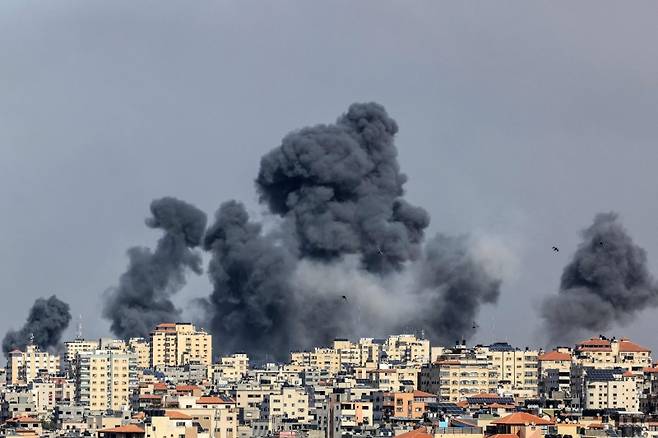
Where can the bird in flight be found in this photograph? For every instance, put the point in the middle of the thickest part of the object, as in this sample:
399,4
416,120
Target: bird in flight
379,250
475,325
556,249
601,243
344,297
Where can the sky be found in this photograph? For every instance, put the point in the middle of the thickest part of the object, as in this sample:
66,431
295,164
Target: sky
519,121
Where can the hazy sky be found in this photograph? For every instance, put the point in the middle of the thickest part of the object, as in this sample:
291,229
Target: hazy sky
519,121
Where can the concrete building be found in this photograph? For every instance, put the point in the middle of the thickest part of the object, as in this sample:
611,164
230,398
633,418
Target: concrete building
291,403
25,366
516,370
231,368
602,352
600,388
175,344
456,378
105,380
142,348
555,374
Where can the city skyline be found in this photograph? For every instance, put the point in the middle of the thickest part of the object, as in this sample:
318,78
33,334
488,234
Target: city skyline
525,167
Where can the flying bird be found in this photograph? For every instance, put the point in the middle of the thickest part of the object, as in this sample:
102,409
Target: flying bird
556,249
344,297
475,325
379,250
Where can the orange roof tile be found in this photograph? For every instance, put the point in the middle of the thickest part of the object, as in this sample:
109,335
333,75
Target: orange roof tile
595,341
159,385
208,400
423,394
421,432
175,415
650,370
554,355
504,435
632,347
629,374
521,418
127,428
186,388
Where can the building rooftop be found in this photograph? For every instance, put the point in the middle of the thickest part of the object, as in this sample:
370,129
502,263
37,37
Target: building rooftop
521,419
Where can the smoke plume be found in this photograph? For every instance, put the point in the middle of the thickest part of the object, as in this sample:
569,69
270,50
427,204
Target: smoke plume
453,284
341,187
143,297
252,301
346,258
607,282
47,320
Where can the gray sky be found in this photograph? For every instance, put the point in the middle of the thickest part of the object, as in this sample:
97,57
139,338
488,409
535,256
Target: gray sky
518,122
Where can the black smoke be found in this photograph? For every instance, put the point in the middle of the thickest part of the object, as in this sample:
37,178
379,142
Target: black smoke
338,190
253,306
453,284
341,187
47,320
143,297
607,282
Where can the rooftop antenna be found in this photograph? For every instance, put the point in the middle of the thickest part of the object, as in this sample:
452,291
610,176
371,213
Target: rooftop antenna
78,334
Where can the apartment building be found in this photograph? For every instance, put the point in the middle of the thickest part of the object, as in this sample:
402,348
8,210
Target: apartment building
216,414
105,380
25,366
516,370
455,379
603,352
407,348
231,368
555,374
142,349
291,403
175,344
599,388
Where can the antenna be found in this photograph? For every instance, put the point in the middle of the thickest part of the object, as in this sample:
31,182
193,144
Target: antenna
78,333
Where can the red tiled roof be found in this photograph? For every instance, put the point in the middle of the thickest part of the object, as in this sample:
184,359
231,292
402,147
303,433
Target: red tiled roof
175,415
504,435
521,418
127,428
159,385
186,388
632,347
423,394
554,355
421,432
596,342
207,400
150,397
650,370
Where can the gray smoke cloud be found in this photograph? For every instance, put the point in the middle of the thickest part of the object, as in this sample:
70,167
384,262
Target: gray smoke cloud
252,302
347,255
143,297
47,320
453,284
341,187
607,282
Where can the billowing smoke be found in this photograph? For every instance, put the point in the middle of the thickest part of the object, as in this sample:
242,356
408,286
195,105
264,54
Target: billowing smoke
347,256
606,283
143,297
453,285
47,320
341,187
252,301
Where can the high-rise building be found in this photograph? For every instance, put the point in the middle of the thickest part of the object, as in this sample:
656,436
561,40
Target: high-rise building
105,379
175,344
142,349
24,366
